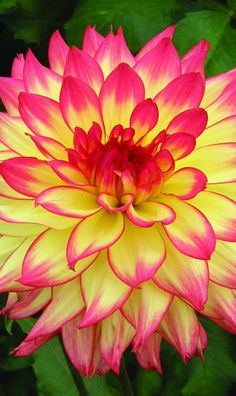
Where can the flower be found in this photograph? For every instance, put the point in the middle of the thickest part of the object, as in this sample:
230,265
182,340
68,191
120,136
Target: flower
117,199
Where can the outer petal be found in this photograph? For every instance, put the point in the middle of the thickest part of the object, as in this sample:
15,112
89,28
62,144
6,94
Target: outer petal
116,335
8,245
190,233
183,276
221,132
167,33
137,255
145,309
83,66
217,161
28,176
184,93
92,40
50,148
191,121
24,211
185,183
39,79
10,270
143,118
220,211
9,91
216,85
57,53
20,229
94,234
18,67
68,172
222,266
66,303
148,355
29,346
103,292
43,116
223,106
158,67
193,60
45,262
112,52
79,104
30,303
221,306
13,134
180,328
120,93
68,201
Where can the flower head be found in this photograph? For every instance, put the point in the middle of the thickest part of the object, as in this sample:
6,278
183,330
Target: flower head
117,198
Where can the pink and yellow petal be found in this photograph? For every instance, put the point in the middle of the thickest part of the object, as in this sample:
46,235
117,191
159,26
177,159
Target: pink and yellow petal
148,355
57,53
185,183
9,91
222,265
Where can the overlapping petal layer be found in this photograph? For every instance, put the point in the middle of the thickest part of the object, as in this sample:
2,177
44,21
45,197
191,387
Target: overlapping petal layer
118,199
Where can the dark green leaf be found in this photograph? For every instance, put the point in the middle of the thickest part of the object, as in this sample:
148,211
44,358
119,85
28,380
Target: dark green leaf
141,19
148,383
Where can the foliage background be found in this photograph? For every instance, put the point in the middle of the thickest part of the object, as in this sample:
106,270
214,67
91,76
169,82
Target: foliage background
29,23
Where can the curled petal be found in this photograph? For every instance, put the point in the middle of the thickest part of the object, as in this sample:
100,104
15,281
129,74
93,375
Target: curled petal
144,118
191,121
185,183
149,212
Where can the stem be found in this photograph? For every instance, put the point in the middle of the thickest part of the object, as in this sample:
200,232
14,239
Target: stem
78,381
124,379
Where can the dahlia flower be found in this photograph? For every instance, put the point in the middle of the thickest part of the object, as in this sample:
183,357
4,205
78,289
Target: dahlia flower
117,207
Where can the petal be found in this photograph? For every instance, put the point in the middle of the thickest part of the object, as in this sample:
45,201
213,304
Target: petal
120,93
30,303
68,172
221,213
43,116
180,328
11,268
66,303
84,67
68,201
80,345
79,104
222,132
39,79
144,118
185,183
167,33
92,40
145,309
221,305
94,234
50,148
193,60
217,161
147,213
223,106
158,67
8,245
45,262
216,85
183,93
24,211
183,276
13,134
27,347
179,145
113,51
227,189
57,53
191,121
148,355
137,255
222,265
18,67
103,292
28,176
20,229
190,233
9,91
116,335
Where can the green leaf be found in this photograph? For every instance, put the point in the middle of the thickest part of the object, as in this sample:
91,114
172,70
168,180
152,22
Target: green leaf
217,374
8,324
141,19
148,383
6,5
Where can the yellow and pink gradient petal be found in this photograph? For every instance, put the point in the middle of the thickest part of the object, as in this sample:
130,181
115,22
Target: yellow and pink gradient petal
118,199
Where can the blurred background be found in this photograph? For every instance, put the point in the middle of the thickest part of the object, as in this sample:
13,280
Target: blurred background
28,24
